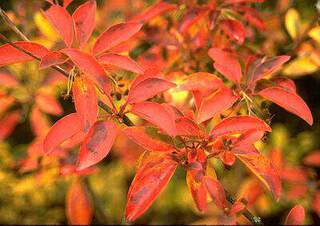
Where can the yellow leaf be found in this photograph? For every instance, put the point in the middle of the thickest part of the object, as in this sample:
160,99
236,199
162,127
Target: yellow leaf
293,23
300,66
314,33
45,28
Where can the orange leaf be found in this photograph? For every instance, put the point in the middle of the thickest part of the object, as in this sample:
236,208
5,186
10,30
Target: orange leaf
121,62
78,205
48,104
239,124
11,55
147,89
226,64
151,178
264,170
139,136
156,114
84,20
216,103
295,216
97,144
115,35
90,67
60,19
216,191
155,10
86,102
52,58
289,101
62,130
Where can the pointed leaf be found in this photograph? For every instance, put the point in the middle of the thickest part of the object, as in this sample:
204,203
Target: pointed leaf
48,104
62,130
78,205
234,29
52,58
8,123
155,10
140,136
97,144
84,20
115,35
226,64
11,55
147,89
151,178
216,191
264,170
295,216
86,102
187,127
90,66
293,23
239,124
156,114
198,190
60,19
121,62
267,67
216,103
289,101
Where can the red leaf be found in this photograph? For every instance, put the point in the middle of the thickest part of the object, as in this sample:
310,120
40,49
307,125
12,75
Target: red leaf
234,29
48,104
264,170
84,19
289,101
140,136
8,81
121,62
239,124
78,205
151,178
312,159
155,10
115,35
97,144
241,1
201,81
147,89
60,19
285,83
62,130
90,66
237,207
226,64
216,191
39,122
191,17
86,102
11,55
295,216
266,67
52,58
66,2
156,114
228,158
187,127
8,123
253,17
216,103
248,138
198,190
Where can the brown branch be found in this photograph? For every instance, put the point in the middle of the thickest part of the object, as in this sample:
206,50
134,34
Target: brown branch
99,213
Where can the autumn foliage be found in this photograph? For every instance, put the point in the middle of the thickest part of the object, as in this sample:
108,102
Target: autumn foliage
186,83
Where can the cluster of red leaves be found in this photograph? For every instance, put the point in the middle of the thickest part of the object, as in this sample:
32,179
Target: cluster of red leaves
178,137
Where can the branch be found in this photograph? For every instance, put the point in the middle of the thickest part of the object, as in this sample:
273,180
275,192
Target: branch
253,219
